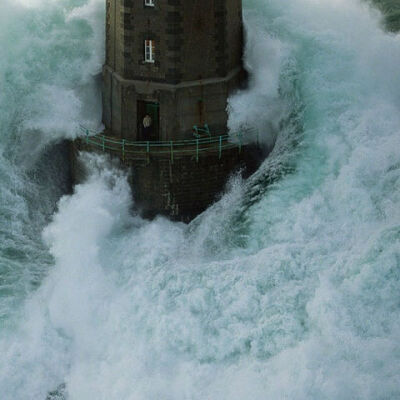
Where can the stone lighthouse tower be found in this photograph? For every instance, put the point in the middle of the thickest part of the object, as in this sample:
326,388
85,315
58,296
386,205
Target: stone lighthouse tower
174,60
170,68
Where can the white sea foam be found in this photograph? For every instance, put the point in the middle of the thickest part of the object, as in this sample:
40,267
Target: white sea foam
50,54
261,106
293,295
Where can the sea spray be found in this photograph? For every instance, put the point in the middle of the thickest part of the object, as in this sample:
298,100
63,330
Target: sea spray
304,305
49,53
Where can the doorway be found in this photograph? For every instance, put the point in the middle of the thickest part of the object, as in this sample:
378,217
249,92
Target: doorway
148,121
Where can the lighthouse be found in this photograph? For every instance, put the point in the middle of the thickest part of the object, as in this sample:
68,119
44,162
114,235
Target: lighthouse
175,61
169,70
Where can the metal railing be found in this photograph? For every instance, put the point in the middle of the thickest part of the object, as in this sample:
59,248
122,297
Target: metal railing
141,150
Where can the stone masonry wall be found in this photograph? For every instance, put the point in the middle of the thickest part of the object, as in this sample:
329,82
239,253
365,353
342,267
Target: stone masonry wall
179,105
181,189
195,39
198,62
185,188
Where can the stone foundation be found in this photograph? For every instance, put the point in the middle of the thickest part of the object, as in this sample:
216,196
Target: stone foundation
183,188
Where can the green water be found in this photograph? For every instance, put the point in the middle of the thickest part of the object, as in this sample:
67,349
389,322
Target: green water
286,288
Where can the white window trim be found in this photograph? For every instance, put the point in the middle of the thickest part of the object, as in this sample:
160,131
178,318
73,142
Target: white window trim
149,3
149,51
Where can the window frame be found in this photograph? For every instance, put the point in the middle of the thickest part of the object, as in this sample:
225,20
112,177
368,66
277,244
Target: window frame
149,51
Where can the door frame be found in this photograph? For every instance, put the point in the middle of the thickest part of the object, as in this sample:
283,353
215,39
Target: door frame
151,108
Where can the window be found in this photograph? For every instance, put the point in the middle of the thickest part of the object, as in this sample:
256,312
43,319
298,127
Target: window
149,3
149,51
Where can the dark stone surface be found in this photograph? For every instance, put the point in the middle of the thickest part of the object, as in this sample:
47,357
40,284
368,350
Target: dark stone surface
183,188
195,38
198,57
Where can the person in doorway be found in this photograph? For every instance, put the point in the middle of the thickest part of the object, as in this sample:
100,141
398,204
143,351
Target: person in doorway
147,127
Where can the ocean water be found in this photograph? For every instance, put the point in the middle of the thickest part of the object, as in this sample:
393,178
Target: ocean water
288,287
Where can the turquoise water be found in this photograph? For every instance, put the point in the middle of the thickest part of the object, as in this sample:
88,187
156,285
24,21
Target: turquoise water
287,288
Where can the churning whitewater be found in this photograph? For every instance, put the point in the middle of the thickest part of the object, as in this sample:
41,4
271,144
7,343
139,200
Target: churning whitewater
288,287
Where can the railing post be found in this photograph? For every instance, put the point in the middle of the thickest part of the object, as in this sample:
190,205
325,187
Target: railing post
172,152
197,150
103,145
220,147
148,152
87,136
123,149
240,142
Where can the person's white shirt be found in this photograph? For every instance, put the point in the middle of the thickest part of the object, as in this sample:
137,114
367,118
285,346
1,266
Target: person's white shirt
147,121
